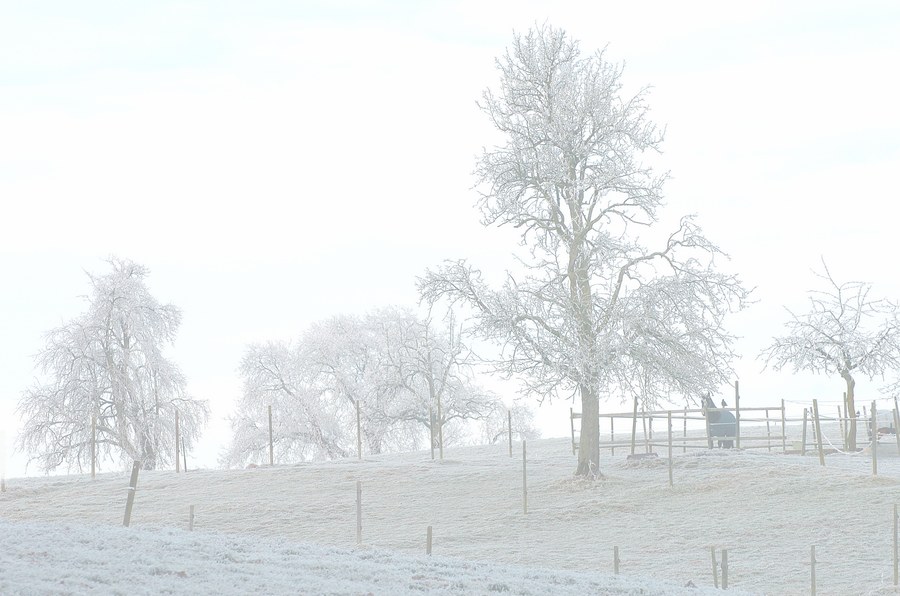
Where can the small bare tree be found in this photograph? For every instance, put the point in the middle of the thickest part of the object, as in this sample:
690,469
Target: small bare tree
595,308
108,363
845,333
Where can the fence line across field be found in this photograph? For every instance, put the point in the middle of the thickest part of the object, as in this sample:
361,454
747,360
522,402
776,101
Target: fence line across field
771,438
685,415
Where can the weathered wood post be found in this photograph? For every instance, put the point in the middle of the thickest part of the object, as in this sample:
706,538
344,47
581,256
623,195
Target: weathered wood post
440,422
847,415
896,549
724,568
715,566
524,480
132,488
812,569
177,444
93,446
897,429
271,442
509,428
783,429
671,483
841,425
818,432
358,512
768,432
428,541
183,454
874,440
737,415
684,442
572,424
191,520
803,439
709,439
634,425
616,560
358,432
431,429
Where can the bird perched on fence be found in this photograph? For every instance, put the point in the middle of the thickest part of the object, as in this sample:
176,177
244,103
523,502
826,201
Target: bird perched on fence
724,405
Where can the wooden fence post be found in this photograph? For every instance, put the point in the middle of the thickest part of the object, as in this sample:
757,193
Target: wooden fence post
783,429
709,439
874,440
737,415
191,520
684,443
803,439
183,454
428,541
818,432
177,444
896,562
132,488
431,429
358,512
724,568
897,428
509,427
670,448
812,569
634,425
841,425
524,480
768,432
440,422
93,446
715,566
616,560
358,432
572,424
271,442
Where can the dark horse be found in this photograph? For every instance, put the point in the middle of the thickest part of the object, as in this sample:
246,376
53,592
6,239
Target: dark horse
722,423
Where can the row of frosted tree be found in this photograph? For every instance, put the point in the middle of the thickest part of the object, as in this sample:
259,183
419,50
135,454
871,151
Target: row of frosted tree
606,301
406,379
110,393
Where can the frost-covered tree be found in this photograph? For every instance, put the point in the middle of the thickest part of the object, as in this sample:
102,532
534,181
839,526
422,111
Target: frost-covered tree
434,375
388,361
307,423
108,363
844,333
596,306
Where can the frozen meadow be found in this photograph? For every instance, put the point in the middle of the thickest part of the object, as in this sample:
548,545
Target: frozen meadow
292,528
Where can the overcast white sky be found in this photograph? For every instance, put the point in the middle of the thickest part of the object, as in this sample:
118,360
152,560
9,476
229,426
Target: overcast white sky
274,163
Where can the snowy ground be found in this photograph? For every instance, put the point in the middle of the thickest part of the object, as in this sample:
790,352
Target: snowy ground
293,527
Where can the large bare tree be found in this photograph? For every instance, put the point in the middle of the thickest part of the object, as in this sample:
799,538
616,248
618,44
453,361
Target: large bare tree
108,363
844,333
595,308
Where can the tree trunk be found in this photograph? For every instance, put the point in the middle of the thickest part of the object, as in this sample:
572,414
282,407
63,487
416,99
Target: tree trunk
589,445
851,411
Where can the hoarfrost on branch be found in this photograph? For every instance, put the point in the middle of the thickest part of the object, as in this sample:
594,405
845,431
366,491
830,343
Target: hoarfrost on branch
597,311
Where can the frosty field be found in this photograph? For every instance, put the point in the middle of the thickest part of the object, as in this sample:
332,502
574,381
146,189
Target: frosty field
292,528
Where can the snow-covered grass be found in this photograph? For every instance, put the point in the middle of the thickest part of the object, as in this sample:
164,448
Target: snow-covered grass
292,528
